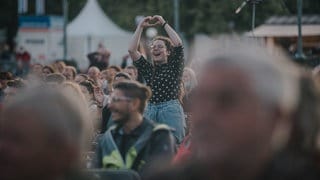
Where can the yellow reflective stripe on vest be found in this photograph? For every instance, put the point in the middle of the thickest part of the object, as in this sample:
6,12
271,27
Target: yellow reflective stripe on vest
130,157
114,160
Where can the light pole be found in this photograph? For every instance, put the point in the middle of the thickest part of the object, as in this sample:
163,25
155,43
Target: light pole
176,15
253,16
65,21
299,54
254,3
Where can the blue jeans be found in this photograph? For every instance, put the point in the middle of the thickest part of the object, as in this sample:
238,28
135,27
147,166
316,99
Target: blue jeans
169,113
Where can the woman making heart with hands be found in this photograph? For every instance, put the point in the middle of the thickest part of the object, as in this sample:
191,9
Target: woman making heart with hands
163,76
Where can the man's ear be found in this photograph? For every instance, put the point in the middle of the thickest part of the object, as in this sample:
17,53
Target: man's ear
135,104
282,129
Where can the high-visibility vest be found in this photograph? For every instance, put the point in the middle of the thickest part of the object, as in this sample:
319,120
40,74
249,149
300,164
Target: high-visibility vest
111,156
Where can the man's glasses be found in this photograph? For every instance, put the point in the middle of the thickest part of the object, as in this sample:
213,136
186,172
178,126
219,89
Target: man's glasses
115,99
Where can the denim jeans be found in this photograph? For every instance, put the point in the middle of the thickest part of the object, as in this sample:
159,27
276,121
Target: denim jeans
169,113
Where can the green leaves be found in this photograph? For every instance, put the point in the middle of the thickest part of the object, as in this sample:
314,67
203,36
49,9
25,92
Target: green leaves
196,16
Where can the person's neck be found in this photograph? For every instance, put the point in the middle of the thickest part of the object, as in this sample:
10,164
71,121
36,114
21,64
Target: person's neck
134,121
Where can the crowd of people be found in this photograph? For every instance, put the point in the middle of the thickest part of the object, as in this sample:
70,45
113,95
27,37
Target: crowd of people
244,114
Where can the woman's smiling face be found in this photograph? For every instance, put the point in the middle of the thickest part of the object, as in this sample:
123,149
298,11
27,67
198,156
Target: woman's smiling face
159,52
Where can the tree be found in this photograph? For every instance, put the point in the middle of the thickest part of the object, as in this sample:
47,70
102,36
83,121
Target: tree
206,16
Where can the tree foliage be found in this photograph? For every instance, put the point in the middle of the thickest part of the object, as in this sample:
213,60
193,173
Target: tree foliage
206,16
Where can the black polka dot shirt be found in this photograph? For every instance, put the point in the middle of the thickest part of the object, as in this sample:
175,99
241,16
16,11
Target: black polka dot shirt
165,79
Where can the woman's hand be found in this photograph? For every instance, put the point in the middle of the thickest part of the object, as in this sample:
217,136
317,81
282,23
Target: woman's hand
145,22
150,21
159,20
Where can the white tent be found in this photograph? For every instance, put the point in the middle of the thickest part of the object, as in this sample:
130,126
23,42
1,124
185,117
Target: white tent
92,27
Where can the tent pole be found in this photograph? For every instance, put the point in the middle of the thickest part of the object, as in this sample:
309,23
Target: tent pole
176,15
65,21
299,54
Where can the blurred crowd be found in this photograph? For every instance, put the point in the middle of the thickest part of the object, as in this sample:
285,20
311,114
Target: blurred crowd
245,113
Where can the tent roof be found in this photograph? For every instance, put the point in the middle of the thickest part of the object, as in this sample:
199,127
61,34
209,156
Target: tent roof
92,21
285,31
286,26
286,20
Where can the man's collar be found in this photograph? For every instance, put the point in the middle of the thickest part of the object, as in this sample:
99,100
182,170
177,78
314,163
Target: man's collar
135,132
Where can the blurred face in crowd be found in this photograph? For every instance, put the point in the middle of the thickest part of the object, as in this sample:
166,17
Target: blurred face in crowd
104,74
93,73
3,83
132,73
159,52
68,74
86,93
187,80
78,79
111,73
119,106
9,92
24,147
37,69
45,72
229,119
186,76
60,66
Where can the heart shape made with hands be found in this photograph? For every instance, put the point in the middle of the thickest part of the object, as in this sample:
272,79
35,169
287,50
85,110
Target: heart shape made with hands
153,21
